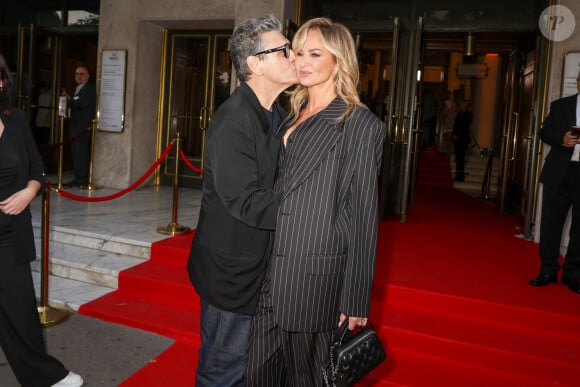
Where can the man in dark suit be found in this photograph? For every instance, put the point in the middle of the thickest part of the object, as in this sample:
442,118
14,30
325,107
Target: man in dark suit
561,191
461,136
82,111
239,206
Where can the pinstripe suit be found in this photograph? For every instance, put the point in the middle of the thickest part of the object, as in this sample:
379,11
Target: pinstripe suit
324,251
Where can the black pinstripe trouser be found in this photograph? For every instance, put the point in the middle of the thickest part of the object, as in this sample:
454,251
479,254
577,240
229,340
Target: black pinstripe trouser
278,358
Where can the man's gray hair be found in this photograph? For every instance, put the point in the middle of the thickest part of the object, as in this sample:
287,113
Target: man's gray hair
246,40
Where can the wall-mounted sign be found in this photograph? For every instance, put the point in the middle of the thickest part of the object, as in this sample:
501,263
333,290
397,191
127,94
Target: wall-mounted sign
111,115
472,70
570,73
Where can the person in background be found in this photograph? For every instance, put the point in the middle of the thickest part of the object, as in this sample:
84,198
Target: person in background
43,121
448,119
21,177
322,265
234,234
83,107
461,136
561,191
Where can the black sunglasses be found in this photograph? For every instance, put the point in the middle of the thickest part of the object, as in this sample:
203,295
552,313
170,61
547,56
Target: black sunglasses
286,48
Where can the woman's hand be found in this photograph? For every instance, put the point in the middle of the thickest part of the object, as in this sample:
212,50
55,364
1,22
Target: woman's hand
17,202
353,321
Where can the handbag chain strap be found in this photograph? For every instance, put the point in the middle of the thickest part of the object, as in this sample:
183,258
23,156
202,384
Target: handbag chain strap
332,356
337,340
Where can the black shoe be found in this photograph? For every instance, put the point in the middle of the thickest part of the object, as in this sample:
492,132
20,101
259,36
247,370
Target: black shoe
459,178
544,279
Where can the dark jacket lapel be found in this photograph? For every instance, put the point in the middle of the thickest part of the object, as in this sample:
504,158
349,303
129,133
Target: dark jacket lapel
313,142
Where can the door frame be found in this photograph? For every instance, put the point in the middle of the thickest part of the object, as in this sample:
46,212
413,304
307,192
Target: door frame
168,124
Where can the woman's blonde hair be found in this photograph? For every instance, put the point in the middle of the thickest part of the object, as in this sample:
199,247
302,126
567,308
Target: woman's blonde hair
337,39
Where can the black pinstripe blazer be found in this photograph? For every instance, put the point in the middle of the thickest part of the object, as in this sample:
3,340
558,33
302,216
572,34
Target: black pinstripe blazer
325,245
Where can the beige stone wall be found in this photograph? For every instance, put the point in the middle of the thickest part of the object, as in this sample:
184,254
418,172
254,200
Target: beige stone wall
137,26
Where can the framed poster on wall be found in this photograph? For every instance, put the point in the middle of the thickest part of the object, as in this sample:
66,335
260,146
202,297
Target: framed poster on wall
570,73
111,117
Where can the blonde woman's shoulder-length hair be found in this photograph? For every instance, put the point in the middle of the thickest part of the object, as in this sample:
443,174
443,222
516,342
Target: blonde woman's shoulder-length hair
337,39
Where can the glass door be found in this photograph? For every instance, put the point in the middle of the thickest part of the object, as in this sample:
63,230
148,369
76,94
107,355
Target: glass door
198,79
37,79
413,131
510,127
400,159
390,202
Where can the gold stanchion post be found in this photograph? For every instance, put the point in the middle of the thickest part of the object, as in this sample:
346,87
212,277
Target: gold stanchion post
60,140
49,315
174,228
93,132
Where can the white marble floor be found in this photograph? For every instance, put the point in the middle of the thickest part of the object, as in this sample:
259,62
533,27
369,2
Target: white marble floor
133,216
90,243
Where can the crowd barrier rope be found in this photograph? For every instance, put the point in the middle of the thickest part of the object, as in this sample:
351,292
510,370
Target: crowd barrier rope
66,141
188,163
72,196
50,315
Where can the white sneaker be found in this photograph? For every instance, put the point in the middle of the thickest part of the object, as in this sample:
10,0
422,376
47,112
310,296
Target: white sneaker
71,380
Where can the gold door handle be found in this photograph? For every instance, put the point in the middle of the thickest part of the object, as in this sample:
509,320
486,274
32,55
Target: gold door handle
204,119
515,139
395,126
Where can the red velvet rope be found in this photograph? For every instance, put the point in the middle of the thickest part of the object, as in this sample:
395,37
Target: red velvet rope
123,192
188,163
67,140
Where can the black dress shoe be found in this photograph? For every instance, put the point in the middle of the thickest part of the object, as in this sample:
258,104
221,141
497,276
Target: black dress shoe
544,279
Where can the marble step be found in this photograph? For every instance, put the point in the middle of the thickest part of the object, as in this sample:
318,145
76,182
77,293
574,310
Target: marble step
84,266
68,293
474,174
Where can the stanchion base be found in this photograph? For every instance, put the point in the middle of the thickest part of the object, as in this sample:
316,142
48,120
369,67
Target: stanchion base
90,187
172,229
50,315
61,186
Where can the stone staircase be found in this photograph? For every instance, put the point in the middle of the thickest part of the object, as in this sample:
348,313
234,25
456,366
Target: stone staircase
474,174
91,243
84,266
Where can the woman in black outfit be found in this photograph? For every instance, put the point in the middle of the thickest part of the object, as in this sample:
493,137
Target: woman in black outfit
21,176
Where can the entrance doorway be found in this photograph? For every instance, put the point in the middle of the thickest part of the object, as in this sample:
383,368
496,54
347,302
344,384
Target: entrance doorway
43,62
197,80
506,90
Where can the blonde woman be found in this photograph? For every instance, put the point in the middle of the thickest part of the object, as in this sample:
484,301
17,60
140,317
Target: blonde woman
322,264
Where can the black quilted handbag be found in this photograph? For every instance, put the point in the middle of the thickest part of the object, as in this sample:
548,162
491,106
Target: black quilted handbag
352,356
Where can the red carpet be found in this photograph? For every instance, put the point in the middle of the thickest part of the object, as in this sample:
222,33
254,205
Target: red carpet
433,169
451,301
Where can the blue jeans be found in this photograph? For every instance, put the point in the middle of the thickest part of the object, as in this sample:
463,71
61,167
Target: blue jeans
224,345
